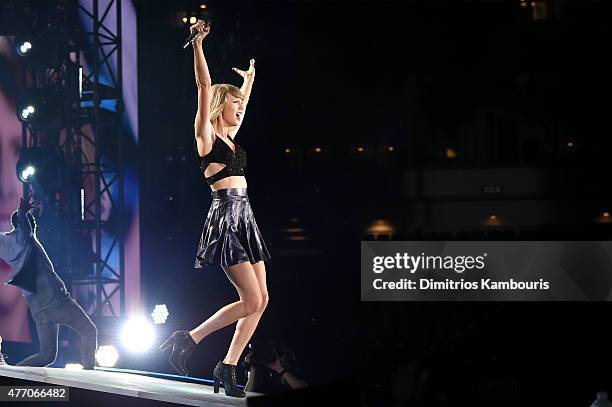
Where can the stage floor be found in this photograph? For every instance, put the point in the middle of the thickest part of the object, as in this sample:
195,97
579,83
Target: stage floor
128,384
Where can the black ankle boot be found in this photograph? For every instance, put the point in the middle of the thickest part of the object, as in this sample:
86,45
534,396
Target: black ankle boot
182,346
227,374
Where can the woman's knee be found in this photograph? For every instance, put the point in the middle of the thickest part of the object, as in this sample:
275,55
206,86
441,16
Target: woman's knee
252,303
265,298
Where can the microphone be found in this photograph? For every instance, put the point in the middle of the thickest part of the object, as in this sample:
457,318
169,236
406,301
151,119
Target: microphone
191,37
195,34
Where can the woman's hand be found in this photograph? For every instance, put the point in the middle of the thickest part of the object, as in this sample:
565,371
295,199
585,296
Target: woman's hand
202,27
246,74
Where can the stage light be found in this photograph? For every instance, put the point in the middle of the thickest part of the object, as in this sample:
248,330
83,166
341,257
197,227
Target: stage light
391,148
185,20
493,220
41,166
160,314
107,356
73,366
27,112
137,335
40,106
80,82
26,173
193,20
24,47
381,227
604,218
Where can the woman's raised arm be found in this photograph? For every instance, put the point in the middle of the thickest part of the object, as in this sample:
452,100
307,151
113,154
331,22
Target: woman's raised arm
247,80
247,84
203,82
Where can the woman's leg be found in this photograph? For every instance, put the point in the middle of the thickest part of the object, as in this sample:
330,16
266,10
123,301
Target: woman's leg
246,326
245,281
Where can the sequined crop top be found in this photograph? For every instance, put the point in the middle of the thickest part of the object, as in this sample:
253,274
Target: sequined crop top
222,153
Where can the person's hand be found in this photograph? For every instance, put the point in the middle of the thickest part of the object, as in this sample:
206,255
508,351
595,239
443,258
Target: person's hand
275,365
202,27
286,361
25,205
246,74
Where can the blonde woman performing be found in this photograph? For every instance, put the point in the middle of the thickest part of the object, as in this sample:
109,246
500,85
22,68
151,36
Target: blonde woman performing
230,238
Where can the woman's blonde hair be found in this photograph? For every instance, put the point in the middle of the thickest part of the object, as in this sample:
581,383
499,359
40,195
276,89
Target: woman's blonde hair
217,98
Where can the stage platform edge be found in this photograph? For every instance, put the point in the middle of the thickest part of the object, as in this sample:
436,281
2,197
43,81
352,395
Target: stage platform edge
128,384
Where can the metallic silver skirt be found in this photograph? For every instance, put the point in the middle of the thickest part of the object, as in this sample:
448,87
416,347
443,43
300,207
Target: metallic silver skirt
230,234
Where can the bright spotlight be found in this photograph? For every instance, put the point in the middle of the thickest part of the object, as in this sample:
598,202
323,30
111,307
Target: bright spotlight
137,335
42,166
107,356
24,47
39,105
160,314
192,20
73,366
26,112
25,174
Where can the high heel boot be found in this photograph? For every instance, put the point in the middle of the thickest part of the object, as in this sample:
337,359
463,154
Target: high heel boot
182,346
227,374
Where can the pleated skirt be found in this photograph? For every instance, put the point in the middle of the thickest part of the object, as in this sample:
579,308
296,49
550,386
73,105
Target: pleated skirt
230,234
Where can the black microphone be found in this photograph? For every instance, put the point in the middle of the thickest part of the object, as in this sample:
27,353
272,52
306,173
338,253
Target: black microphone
195,34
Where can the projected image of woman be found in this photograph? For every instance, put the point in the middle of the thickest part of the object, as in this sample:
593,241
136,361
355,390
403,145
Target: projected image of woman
230,238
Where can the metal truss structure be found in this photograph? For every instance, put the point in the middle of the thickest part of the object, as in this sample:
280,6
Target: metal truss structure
88,133
98,155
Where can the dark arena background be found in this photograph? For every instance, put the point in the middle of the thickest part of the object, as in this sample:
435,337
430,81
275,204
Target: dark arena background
484,120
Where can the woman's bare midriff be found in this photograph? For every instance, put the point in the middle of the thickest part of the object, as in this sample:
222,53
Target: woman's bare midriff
229,182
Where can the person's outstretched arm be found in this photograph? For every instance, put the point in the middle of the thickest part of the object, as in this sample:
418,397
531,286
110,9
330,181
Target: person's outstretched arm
248,77
293,381
202,124
23,227
12,243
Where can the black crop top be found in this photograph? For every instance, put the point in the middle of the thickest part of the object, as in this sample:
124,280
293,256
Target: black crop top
222,153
